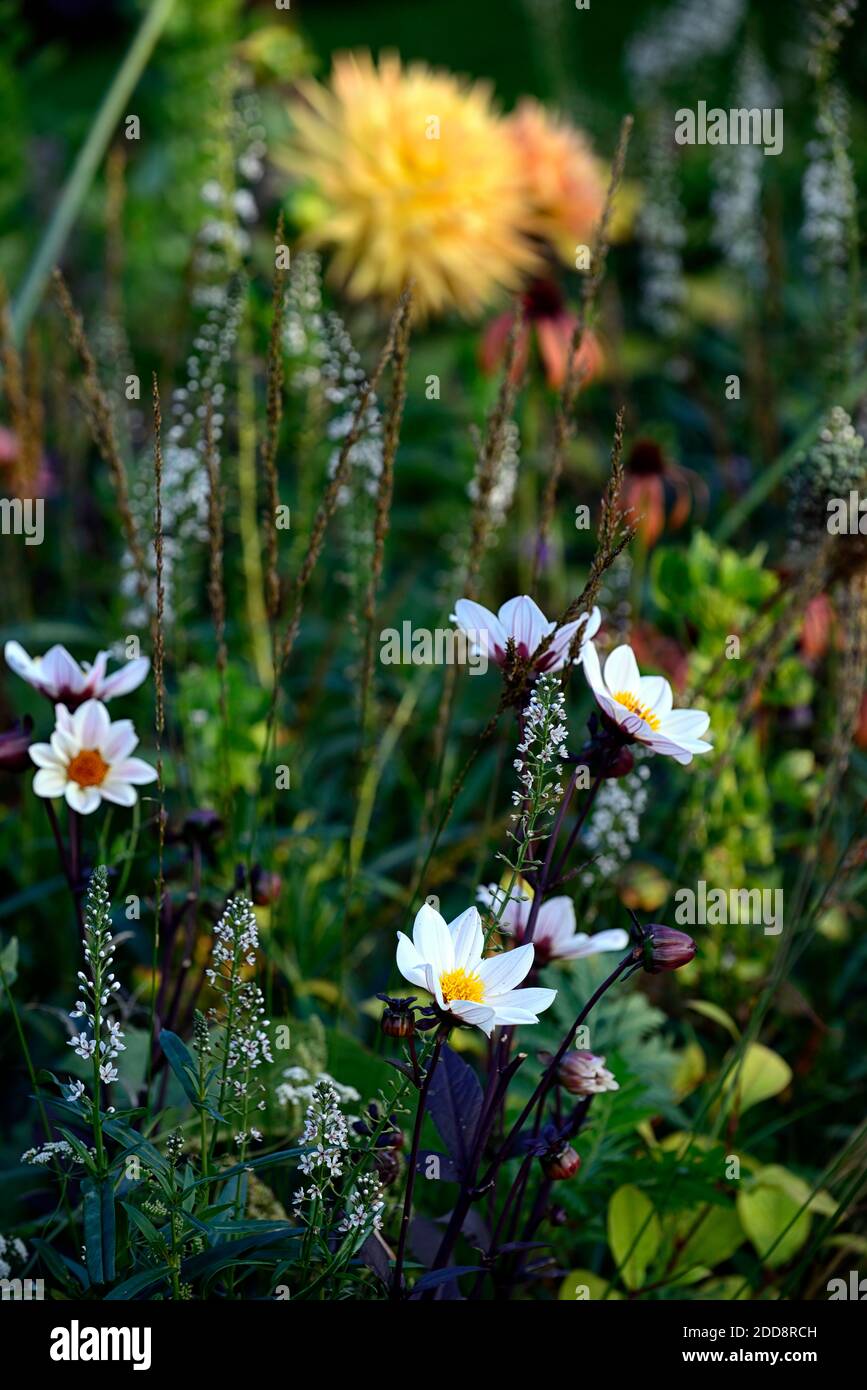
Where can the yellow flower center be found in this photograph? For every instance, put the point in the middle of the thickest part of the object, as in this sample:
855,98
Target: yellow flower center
87,768
625,697
462,984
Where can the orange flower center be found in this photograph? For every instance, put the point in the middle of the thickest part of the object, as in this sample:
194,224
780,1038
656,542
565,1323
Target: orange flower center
625,697
462,984
88,768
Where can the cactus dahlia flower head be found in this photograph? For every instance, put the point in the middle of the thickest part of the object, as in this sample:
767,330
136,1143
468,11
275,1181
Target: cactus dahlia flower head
419,180
445,958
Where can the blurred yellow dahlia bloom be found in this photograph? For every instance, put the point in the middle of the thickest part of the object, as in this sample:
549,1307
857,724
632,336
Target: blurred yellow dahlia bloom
418,179
565,184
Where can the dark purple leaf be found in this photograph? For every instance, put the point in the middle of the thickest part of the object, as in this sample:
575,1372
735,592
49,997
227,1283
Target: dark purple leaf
446,1171
443,1276
455,1103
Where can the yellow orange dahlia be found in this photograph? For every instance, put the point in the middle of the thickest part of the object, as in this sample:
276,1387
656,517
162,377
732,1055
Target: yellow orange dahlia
418,180
564,182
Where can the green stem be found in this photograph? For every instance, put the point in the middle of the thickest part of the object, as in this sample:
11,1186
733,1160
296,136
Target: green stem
90,156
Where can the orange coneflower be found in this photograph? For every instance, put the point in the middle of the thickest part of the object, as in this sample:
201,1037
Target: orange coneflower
651,480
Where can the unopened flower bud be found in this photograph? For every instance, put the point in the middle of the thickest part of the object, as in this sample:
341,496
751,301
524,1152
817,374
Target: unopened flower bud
585,1074
665,948
398,1023
561,1163
387,1165
264,887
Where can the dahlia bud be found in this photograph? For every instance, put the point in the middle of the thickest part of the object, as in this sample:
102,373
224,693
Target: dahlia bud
264,886
561,1163
585,1074
620,763
665,948
398,1020
14,744
387,1165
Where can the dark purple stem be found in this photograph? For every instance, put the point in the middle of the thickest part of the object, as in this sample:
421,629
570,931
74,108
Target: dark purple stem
397,1281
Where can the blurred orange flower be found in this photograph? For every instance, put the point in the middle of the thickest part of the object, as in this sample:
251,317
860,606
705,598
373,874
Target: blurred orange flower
564,181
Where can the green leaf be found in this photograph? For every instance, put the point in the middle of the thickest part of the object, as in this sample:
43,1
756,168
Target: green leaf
634,1233
182,1063
760,1075
775,1222
716,1014
146,1226
714,1239
99,1230
582,1285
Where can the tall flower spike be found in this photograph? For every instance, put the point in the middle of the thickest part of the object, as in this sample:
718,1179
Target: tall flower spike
99,1038
244,1045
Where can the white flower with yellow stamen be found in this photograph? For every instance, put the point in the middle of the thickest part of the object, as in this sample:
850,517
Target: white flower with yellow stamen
446,959
88,759
641,706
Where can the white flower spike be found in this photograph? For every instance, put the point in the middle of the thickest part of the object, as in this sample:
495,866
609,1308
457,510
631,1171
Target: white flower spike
641,706
522,619
446,959
59,676
88,759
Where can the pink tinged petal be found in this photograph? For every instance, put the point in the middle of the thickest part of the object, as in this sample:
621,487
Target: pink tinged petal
49,781
91,724
524,620
61,672
524,1001
121,793
468,939
502,973
120,742
593,671
483,626
128,677
594,622
134,770
18,661
63,719
44,755
409,962
686,723
85,800
556,919
669,748
433,940
654,692
64,744
478,1015
614,940
94,674
621,670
